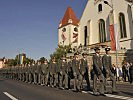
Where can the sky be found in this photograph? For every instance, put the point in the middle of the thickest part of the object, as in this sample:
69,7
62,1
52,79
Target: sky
31,26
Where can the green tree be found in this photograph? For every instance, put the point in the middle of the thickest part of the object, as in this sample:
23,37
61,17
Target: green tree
60,51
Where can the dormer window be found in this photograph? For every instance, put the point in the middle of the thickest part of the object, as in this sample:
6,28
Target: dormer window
70,21
100,8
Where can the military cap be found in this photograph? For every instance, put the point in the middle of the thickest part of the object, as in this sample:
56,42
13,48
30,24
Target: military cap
107,49
84,54
76,53
63,57
96,48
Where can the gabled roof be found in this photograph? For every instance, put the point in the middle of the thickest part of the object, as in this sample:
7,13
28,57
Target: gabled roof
69,14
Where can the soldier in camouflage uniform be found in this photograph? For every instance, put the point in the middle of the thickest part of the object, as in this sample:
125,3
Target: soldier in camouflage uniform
30,73
26,73
84,71
39,72
107,68
76,73
23,73
35,75
63,73
44,73
53,68
98,75
70,71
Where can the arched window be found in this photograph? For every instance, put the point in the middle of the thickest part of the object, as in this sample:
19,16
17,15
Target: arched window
122,23
100,8
102,33
76,29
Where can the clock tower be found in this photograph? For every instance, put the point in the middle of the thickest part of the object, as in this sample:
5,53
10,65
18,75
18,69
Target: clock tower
68,31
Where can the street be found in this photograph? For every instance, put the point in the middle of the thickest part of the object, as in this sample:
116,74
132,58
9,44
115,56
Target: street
16,90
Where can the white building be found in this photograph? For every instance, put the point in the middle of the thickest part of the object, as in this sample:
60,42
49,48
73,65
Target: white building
95,20
94,26
2,63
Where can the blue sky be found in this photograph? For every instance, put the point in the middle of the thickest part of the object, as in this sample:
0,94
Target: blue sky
31,26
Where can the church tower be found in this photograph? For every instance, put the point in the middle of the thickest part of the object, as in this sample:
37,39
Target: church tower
68,30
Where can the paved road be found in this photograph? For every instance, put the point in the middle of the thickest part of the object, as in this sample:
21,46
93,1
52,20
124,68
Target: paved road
24,91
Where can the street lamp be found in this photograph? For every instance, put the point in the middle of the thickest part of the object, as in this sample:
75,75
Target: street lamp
106,2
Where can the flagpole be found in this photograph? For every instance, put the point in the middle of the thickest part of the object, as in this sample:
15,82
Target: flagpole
112,11
115,35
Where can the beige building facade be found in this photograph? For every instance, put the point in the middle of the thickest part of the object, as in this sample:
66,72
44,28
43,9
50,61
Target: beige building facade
94,28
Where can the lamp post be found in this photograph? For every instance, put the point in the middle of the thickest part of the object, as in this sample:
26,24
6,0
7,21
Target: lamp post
112,22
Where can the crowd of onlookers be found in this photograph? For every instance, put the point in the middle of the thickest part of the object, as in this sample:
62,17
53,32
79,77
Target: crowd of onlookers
124,73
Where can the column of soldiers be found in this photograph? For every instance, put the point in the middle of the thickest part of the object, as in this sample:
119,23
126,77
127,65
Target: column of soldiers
67,73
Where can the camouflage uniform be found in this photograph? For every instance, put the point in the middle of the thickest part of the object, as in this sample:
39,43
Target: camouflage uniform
53,68
63,74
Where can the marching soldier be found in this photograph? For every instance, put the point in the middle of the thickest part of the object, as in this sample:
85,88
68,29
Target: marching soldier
53,73
98,75
84,71
35,73
76,73
107,67
32,72
44,73
27,73
39,72
70,72
23,73
63,73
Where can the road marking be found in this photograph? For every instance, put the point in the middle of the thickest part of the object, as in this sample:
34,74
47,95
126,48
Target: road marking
112,96
10,96
84,92
119,97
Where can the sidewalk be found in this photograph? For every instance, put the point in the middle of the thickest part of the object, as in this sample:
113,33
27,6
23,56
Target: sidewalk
124,83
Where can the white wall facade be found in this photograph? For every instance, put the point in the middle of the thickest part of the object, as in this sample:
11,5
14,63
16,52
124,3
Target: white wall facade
91,17
1,64
69,35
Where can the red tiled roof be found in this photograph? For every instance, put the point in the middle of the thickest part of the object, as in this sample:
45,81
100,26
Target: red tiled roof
69,14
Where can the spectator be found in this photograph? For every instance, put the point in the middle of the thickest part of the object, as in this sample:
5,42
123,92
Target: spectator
127,71
131,72
114,70
119,73
124,70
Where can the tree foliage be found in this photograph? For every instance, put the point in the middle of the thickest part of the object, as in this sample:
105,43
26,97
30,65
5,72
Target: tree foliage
60,51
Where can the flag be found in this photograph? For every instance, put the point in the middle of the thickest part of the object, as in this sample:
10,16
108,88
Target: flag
116,37
112,37
75,35
112,32
63,35
22,59
75,40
